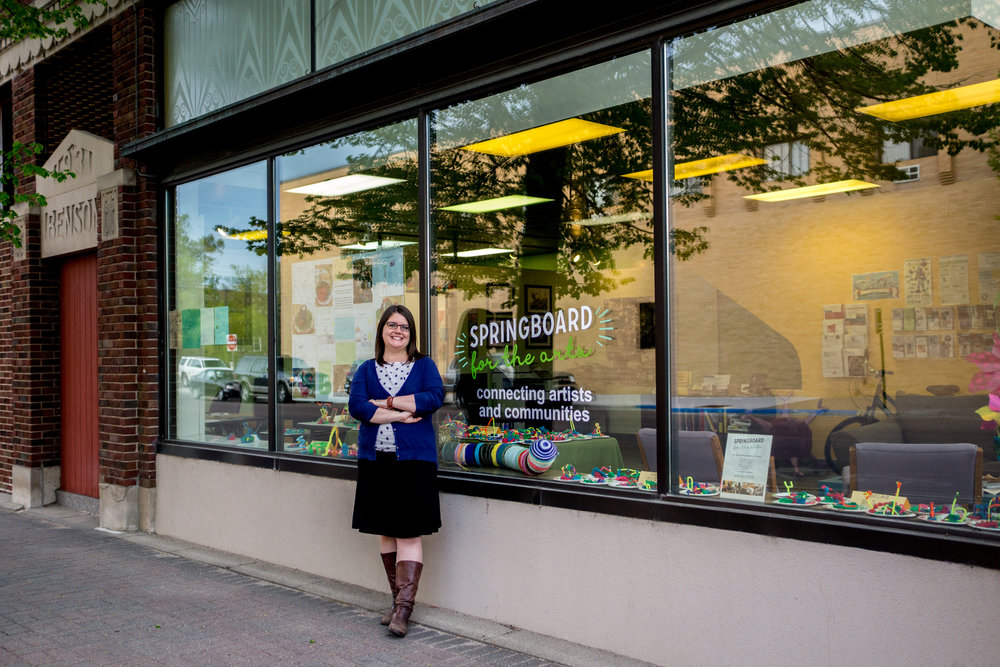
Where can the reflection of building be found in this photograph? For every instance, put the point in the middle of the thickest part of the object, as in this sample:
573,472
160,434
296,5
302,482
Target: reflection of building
203,210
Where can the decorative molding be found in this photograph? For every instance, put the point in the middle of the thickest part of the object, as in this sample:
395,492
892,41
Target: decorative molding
109,214
107,186
23,55
69,218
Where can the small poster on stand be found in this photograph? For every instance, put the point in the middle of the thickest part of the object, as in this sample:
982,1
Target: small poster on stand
747,462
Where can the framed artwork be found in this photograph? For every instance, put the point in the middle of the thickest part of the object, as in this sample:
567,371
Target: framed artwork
538,299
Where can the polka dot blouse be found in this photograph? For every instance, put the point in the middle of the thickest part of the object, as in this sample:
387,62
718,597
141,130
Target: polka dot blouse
392,376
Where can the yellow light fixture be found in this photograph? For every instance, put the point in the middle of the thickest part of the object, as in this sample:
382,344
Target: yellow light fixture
812,190
964,97
553,135
249,235
495,204
711,165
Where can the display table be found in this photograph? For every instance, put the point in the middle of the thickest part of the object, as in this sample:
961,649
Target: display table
230,424
348,434
712,413
588,453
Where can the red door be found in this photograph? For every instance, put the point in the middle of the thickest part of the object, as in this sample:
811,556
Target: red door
78,378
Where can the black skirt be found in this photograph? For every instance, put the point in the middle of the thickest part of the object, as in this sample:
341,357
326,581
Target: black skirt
396,498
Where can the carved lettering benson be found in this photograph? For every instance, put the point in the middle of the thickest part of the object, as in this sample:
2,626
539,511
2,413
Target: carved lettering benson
72,220
77,159
70,215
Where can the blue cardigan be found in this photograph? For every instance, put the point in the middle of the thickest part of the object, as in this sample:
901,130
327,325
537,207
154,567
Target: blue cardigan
413,441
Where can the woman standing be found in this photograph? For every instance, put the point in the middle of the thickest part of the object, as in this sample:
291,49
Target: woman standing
393,396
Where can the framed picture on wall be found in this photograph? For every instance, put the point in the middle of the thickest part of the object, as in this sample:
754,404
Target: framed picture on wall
538,299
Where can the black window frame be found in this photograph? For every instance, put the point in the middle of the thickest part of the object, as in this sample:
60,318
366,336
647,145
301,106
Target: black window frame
576,45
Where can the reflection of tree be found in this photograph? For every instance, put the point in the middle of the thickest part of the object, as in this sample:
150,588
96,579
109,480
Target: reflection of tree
194,259
246,296
814,100
811,100
199,285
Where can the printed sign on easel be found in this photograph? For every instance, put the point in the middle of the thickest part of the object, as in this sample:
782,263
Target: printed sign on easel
744,472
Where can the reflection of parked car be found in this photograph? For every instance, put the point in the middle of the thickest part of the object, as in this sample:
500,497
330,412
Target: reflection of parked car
295,378
217,382
191,365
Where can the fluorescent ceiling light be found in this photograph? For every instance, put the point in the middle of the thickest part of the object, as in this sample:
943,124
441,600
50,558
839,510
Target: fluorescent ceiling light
964,97
483,252
704,167
553,135
375,245
611,219
345,185
497,204
812,190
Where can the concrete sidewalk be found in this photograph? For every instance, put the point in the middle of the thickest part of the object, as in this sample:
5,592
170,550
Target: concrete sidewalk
74,594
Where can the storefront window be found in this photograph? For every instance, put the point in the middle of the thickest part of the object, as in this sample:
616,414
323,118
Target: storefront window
347,250
541,215
218,308
830,326
832,277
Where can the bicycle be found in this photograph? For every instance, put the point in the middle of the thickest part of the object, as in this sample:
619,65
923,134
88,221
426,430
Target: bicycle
881,405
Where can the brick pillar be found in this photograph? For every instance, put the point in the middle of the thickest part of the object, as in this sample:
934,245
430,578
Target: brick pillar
29,328
127,277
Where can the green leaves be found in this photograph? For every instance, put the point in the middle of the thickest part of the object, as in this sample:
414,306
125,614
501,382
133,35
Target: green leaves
19,20
18,163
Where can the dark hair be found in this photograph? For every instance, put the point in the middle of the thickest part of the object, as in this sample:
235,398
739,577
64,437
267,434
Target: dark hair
411,347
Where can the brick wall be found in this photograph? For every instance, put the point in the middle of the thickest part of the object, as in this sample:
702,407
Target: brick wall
77,85
127,275
93,85
29,324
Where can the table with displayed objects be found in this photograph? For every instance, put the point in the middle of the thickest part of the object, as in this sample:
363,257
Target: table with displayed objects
331,432
233,425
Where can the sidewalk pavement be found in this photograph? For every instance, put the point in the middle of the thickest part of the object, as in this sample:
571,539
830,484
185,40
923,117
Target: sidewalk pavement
74,594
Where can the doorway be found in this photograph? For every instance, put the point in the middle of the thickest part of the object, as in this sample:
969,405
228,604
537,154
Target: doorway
78,374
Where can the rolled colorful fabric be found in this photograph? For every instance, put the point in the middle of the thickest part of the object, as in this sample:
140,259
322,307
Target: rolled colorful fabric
534,459
541,455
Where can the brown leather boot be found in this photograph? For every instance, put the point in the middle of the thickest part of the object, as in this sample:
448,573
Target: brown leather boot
389,561
407,577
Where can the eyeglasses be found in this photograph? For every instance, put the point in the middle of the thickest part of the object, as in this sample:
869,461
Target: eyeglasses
402,327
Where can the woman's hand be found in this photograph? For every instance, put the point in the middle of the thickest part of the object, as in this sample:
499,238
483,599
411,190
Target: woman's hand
379,403
408,418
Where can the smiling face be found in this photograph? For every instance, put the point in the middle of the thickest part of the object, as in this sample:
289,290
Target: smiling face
395,338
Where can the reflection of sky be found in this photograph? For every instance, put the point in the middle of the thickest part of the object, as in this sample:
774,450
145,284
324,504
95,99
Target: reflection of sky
229,199
313,160
804,31
373,146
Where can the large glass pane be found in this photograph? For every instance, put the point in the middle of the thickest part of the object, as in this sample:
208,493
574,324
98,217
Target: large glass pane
543,275
220,52
346,28
348,250
844,294
218,307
